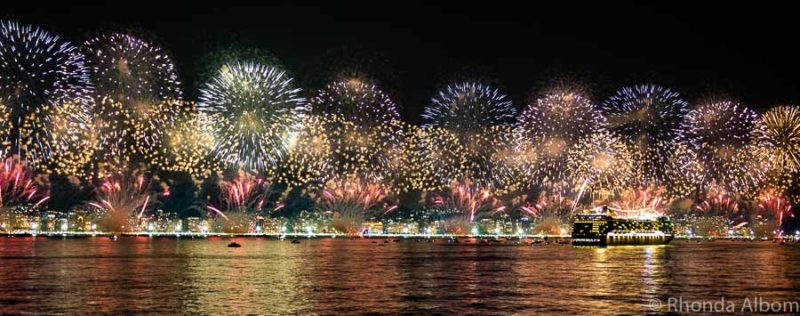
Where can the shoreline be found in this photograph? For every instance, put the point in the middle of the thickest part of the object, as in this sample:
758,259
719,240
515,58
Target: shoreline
175,235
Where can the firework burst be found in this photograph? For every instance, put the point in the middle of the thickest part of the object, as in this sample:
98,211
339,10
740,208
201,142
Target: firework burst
241,201
684,172
766,219
356,101
37,69
131,70
256,109
188,146
552,213
718,203
515,160
640,202
364,152
123,198
468,107
464,204
489,156
129,134
778,142
557,122
721,133
442,155
602,163
351,200
479,117
307,163
18,187
716,213
779,137
649,117
411,172
5,128
65,145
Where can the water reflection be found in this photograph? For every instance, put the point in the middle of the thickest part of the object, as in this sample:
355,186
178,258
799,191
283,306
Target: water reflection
136,275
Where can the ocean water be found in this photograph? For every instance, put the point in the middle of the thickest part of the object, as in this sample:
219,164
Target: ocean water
354,276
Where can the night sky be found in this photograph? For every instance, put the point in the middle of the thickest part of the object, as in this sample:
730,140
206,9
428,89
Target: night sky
412,49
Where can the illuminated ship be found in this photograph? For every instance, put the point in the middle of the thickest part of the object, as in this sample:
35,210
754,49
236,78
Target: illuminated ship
604,226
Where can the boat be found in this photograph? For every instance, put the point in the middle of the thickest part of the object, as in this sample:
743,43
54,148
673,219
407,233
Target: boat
113,237
606,226
234,244
295,241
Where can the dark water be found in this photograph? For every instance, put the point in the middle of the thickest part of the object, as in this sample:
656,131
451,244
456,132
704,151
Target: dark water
337,276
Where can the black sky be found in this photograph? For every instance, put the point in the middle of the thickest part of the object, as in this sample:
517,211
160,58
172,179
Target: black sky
702,50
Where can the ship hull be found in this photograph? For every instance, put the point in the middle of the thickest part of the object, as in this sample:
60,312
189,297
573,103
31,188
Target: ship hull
627,240
620,240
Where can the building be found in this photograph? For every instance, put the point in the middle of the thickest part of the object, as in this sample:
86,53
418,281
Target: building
372,227
193,224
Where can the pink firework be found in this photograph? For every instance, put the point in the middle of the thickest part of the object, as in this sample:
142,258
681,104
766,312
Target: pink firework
551,213
718,204
640,202
122,198
242,199
465,203
773,206
18,186
351,200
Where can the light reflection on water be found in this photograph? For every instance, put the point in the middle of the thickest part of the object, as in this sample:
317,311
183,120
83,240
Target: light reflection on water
336,276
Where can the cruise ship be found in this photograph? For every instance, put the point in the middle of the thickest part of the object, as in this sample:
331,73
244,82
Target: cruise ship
605,226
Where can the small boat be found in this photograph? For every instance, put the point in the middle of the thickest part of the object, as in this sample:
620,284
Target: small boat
234,244
113,237
295,241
